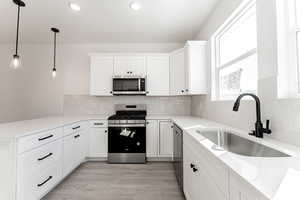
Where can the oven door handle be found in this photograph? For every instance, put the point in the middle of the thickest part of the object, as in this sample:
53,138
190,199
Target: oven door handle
126,125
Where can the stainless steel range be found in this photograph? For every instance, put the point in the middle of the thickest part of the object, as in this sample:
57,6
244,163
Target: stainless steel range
127,134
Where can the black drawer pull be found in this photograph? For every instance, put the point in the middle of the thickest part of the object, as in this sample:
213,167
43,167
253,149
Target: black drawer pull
98,124
45,138
76,136
77,127
46,156
48,179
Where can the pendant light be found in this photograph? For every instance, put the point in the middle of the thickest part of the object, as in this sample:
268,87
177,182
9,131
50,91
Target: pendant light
55,31
16,62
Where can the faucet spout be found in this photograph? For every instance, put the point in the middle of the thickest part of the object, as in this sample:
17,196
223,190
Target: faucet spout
259,130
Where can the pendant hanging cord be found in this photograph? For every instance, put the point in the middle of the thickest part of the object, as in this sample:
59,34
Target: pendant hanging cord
17,37
54,49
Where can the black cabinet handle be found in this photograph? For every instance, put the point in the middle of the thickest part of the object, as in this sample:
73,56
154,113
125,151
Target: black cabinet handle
77,127
111,92
182,91
98,124
76,136
45,138
48,179
105,131
46,156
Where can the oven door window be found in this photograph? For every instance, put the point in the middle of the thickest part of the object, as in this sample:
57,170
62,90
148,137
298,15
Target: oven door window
130,84
127,140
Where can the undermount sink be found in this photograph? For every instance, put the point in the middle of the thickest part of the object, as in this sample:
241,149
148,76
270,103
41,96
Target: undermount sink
239,145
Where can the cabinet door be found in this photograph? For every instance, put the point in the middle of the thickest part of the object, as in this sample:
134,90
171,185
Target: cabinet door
240,190
101,75
69,161
98,143
197,183
165,139
130,65
152,138
196,67
177,73
85,144
158,83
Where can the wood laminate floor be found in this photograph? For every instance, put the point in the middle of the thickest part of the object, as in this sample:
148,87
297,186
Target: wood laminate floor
101,181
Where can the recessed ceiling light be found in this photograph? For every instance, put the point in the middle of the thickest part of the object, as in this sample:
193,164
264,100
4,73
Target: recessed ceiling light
74,6
135,6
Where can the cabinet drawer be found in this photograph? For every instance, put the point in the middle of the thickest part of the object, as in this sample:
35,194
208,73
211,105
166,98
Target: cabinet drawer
35,185
72,128
39,159
36,140
215,169
99,123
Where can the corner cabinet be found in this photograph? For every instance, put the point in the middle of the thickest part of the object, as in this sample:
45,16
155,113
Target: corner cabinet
101,73
188,69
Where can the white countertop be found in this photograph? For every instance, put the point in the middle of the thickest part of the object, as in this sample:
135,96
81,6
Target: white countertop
275,178
27,127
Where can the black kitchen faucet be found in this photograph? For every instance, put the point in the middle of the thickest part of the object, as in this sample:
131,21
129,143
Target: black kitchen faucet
259,129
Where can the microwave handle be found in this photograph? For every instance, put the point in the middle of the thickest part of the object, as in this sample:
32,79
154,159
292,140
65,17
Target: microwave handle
139,82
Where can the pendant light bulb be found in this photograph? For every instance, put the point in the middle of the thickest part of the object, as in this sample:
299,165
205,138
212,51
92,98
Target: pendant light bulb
54,73
15,62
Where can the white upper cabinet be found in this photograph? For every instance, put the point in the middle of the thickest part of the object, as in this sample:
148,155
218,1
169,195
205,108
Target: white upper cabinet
177,73
182,72
188,69
130,65
195,59
158,75
101,75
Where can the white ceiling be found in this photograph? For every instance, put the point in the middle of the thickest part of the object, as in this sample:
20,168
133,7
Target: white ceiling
108,21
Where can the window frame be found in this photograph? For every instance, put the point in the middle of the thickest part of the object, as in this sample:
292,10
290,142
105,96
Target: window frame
288,27
237,15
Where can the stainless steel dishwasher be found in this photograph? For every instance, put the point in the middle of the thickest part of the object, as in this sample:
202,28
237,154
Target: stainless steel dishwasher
178,154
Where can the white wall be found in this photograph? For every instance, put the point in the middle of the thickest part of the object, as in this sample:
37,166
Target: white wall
30,92
283,113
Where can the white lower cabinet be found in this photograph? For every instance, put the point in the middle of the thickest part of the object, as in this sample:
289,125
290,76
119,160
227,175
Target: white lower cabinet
166,139
159,139
240,190
152,130
98,139
39,171
72,152
198,184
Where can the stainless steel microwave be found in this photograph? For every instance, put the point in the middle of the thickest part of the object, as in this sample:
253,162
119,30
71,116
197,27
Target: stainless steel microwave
129,85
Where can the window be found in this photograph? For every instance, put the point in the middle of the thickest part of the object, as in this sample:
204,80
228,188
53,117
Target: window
235,54
297,33
288,33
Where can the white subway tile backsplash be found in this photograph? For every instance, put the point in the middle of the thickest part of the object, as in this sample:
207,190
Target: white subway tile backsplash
83,104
